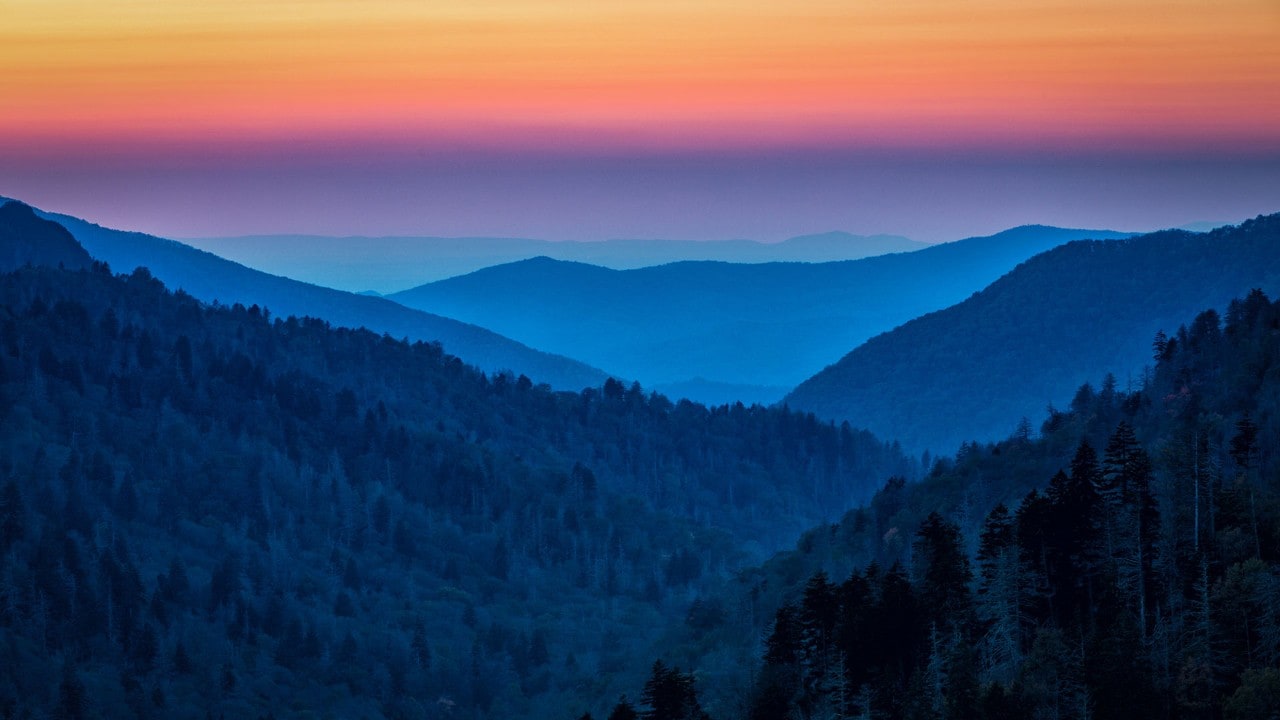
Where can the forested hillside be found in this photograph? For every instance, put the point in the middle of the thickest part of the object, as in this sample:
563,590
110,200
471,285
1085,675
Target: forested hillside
770,326
1123,564
52,246
211,511
210,278
1062,318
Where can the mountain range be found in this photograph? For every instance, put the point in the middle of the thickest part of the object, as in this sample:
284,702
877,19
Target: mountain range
1062,318
206,510
390,264
698,327
211,278
720,333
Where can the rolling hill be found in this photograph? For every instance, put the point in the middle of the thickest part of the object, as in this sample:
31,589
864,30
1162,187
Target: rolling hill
210,278
761,327
1065,317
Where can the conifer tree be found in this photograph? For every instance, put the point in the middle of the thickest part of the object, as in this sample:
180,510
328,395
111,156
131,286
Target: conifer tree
669,694
999,601
624,710
73,701
944,575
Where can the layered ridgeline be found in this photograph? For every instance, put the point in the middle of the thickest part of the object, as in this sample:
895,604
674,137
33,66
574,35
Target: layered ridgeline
1124,562
1063,318
391,264
205,511
211,278
756,328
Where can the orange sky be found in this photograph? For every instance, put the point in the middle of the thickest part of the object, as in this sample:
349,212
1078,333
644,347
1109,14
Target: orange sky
645,72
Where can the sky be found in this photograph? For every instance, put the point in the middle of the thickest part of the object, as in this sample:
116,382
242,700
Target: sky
640,118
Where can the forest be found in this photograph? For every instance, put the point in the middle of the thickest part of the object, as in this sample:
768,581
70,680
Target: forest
1124,563
211,510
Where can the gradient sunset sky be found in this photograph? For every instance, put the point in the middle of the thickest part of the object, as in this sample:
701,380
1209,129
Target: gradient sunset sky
587,120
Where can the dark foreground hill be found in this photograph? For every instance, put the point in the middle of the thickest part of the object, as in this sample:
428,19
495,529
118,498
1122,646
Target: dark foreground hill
1063,318
769,326
27,239
206,512
211,278
1124,562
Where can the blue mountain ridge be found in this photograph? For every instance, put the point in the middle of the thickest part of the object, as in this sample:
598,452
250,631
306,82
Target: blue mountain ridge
754,327
1060,319
210,278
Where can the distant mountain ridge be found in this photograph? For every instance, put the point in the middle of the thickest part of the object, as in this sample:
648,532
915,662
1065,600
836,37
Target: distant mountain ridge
390,264
757,326
1065,317
208,277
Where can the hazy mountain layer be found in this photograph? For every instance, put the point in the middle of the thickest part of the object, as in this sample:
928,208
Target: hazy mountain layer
390,264
1060,319
771,324
209,278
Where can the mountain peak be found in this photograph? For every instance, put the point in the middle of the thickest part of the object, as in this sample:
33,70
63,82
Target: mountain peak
538,264
1037,229
28,239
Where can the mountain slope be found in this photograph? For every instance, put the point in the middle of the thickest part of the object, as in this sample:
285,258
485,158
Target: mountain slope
389,264
26,239
1132,544
1060,319
207,512
771,324
209,278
